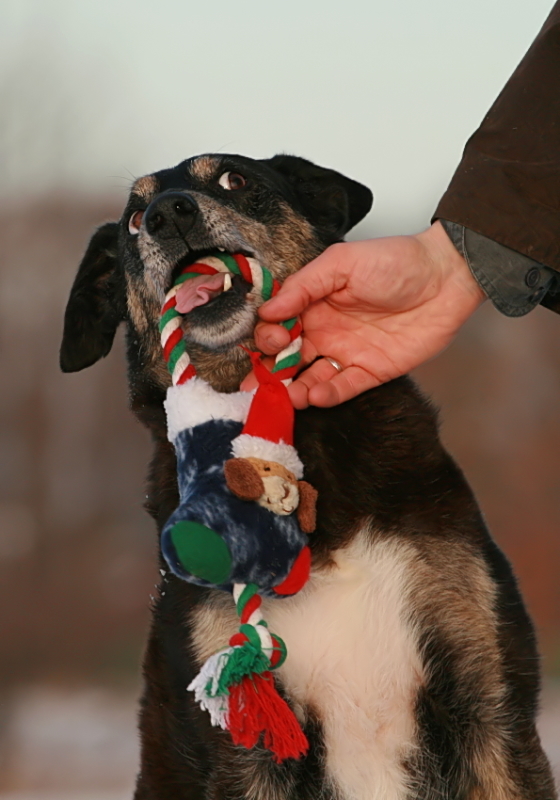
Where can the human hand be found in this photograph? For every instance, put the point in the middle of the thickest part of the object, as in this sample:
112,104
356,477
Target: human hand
379,307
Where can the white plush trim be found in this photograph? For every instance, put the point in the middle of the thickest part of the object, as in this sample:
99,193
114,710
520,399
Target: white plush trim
195,402
246,446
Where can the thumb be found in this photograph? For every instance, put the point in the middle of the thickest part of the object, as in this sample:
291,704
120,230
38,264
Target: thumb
318,279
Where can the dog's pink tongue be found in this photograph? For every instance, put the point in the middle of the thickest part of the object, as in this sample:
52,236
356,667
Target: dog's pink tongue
198,291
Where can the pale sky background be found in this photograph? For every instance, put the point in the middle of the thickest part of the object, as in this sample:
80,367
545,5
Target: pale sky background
93,92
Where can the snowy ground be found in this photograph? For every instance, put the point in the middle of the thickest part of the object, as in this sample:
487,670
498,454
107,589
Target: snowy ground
61,745
82,745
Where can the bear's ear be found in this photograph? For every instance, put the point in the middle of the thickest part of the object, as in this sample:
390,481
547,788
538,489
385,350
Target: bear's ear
329,200
97,303
242,479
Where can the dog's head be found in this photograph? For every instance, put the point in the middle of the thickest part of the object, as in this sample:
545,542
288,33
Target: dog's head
282,211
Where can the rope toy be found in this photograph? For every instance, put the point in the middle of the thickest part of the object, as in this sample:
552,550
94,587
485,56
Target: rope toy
264,286
244,509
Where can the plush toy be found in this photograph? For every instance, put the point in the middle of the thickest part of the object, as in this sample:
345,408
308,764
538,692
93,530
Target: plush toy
244,509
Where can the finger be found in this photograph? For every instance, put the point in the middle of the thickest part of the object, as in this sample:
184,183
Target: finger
341,387
270,339
319,372
317,279
298,395
249,382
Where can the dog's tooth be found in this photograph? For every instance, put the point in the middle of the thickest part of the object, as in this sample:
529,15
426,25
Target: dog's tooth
227,282
222,249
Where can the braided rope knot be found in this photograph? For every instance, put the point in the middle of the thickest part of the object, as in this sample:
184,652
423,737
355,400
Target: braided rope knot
253,628
264,286
253,650
236,686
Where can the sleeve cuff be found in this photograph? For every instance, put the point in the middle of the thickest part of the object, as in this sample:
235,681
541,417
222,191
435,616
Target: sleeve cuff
513,282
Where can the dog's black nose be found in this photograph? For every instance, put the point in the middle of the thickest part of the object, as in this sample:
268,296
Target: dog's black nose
171,213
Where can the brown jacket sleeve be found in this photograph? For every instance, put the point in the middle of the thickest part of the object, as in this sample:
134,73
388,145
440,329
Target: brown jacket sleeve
507,186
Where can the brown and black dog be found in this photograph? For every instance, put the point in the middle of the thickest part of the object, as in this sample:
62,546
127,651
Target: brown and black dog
412,661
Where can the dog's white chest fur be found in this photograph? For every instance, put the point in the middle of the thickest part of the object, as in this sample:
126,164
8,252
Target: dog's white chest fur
354,660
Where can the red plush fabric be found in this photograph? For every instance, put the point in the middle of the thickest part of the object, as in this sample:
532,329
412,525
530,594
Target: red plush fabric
298,575
271,415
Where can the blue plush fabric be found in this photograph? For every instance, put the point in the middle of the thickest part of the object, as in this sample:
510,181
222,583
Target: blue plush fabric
263,545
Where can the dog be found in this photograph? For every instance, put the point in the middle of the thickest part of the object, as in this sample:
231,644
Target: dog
412,662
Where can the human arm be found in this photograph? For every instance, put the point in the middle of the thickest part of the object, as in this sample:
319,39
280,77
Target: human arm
502,206
501,211
378,307
507,185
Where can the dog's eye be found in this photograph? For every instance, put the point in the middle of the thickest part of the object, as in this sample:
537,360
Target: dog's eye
134,222
232,180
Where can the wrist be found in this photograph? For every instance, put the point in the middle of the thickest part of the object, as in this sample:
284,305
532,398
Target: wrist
452,268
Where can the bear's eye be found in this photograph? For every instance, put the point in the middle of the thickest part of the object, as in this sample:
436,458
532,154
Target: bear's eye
267,469
134,222
232,181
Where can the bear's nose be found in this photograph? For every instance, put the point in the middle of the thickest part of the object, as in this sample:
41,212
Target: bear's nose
171,214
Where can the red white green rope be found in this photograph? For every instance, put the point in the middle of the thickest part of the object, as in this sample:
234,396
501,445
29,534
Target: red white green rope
236,685
264,286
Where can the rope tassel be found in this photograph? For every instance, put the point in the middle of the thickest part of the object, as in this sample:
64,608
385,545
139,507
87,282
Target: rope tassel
256,708
205,685
237,688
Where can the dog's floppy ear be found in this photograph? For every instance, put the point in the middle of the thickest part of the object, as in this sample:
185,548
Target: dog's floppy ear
329,200
96,305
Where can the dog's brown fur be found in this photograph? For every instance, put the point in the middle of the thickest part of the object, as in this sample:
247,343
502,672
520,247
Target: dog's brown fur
463,697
